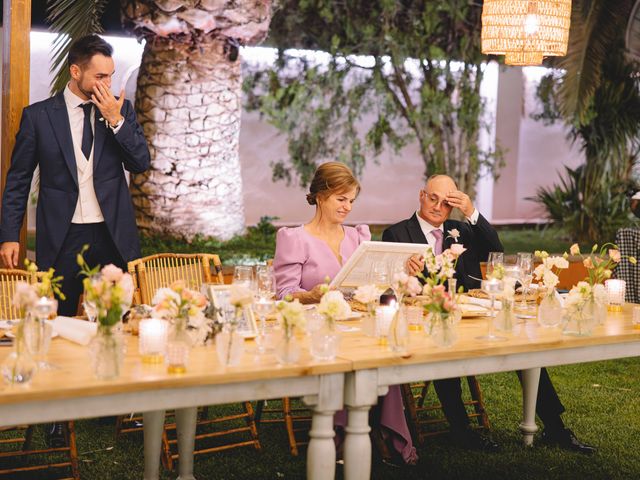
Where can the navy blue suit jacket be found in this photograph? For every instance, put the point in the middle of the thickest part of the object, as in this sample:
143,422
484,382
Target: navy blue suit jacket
478,239
44,139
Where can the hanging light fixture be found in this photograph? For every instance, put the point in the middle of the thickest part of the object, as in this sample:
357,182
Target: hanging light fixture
525,31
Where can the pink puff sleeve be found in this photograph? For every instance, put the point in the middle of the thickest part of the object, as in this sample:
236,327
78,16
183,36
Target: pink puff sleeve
364,234
288,260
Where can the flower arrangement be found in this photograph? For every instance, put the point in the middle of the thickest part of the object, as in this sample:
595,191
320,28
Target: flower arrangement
403,285
292,315
600,263
545,271
441,268
333,307
184,308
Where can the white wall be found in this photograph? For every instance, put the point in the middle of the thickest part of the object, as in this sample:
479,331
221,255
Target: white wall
390,185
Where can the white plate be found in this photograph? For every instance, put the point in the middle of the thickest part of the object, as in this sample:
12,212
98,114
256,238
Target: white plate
471,310
352,316
8,324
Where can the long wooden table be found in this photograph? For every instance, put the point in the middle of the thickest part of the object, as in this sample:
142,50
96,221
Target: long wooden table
71,392
531,347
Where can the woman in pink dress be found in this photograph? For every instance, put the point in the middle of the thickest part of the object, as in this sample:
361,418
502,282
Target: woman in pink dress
309,254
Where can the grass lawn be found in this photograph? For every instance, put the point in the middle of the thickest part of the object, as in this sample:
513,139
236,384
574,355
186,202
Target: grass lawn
602,408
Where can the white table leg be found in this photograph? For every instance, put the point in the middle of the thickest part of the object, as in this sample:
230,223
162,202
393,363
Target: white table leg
528,427
152,425
186,419
361,392
321,452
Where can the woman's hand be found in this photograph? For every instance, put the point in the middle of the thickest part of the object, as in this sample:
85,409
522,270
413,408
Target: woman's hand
415,264
312,296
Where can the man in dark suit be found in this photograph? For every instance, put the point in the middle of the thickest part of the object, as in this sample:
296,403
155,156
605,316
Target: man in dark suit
431,224
82,139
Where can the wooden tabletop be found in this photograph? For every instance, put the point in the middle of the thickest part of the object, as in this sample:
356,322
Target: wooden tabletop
74,377
366,352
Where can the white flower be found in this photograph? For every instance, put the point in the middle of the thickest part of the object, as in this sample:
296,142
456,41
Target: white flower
126,283
25,296
333,306
292,313
457,249
240,296
111,273
454,233
367,294
406,285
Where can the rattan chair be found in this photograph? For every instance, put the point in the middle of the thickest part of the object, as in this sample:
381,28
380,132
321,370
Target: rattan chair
16,441
161,270
421,418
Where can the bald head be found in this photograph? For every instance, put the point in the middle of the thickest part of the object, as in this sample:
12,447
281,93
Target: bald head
433,205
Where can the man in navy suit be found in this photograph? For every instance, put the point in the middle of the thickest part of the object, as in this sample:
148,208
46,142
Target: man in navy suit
431,224
82,139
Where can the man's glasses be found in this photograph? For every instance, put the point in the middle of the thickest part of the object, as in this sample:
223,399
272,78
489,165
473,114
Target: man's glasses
434,199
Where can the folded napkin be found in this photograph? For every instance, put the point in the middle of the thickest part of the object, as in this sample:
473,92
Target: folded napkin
483,302
78,331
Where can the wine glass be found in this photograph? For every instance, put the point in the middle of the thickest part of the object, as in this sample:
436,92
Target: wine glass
243,276
525,261
379,275
263,307
265,282
496,259
492,287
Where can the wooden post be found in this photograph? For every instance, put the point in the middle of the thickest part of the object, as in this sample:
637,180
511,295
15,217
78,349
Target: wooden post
15,84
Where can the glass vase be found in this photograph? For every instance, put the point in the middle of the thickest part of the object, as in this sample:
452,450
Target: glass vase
324,343
398,337
441,328
229,347
287,349
369,320
106,353
178,347
550,310
580,319
505,318
19,366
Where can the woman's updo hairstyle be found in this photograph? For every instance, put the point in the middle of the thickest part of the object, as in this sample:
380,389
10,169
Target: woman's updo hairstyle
330,178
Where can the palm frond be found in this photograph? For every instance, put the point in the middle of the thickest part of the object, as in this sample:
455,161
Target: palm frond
70,19
595,27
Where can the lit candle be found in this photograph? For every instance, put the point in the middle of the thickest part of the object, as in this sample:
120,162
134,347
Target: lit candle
153,339
384,317
615,293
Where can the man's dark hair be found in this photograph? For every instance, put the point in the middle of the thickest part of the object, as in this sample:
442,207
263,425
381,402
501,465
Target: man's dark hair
83,50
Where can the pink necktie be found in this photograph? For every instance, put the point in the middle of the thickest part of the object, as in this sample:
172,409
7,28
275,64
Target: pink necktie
437,233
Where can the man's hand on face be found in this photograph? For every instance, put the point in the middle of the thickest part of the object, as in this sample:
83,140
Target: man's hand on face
108,105
460,200
9,252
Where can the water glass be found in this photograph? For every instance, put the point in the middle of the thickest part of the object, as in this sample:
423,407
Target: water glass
379,274
635,318
265,282
243,276
495,259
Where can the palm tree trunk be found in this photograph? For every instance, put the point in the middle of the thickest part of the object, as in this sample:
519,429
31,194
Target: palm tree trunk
188,102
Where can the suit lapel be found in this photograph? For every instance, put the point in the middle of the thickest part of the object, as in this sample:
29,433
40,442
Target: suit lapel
59,120
415,232
99,135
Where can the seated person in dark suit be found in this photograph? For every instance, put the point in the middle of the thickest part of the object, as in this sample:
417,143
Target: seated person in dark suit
431,225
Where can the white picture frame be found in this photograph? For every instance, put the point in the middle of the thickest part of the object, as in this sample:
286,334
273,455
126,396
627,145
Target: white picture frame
355,272
216,293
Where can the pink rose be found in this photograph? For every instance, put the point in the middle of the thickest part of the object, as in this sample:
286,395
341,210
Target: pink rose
457,249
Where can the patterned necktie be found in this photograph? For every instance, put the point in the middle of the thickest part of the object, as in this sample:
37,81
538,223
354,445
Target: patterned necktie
87,133
437,233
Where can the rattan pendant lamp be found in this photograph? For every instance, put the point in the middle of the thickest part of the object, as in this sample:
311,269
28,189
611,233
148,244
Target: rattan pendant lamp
525,31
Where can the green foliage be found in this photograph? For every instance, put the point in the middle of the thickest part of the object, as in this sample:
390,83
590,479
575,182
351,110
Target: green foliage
597,95
594,218
71,20
257,245
401,71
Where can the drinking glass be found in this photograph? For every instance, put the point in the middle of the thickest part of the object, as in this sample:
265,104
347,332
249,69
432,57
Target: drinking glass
379,275
243,275
38,336
90,309
265,282
492,287
263,306
525,261
495,259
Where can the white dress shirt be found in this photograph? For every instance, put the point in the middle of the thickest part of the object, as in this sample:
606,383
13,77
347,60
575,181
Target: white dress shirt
87,209
427,228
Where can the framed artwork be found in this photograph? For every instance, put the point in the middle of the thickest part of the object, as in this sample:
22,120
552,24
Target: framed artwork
355,272
219,296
